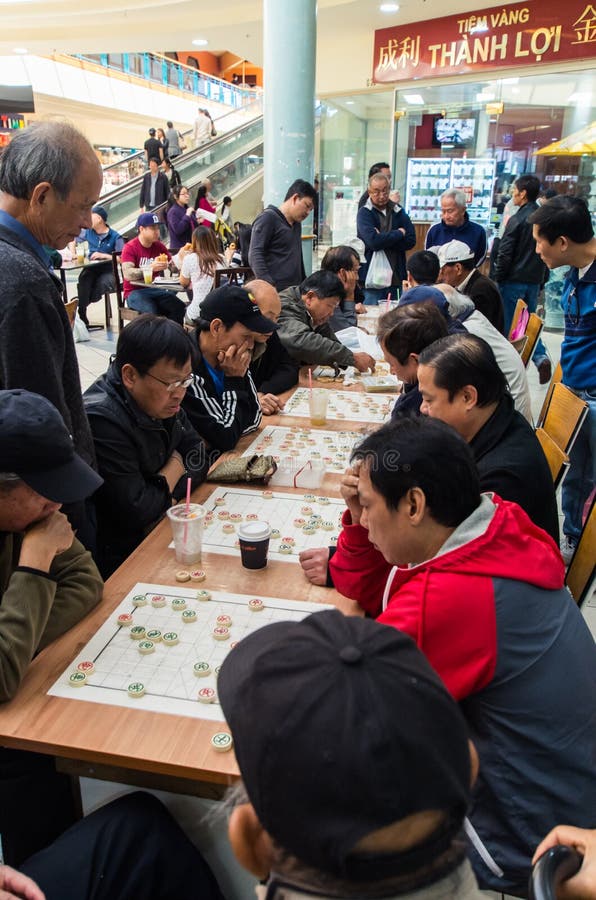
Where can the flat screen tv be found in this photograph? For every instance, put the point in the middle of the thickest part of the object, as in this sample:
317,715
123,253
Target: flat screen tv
457,132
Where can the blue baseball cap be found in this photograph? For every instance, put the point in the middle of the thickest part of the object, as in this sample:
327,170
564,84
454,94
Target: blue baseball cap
146,220
423,293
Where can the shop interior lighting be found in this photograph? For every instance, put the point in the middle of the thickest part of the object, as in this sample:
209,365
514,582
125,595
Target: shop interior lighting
200,42
21,50
414,99
389,7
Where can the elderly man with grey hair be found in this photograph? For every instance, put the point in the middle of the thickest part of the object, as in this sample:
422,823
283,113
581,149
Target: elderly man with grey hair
455,225
50,179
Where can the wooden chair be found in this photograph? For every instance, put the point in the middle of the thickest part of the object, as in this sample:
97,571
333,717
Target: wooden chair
520,306
582,567
71,310
533,332
557,376
557,459
237,275
564,417
124,313
519,344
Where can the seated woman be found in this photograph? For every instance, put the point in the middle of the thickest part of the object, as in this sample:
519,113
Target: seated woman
198,267
181,219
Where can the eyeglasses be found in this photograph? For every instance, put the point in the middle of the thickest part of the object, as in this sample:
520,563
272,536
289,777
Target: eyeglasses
382,193
172,385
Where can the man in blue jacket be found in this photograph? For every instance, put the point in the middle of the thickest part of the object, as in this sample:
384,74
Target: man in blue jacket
455,225
384,225
564,236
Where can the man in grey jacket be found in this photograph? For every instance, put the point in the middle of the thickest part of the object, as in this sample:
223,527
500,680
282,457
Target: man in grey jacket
303,324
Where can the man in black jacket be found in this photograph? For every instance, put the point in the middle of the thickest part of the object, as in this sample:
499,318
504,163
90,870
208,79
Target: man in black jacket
155,187
222,401
518,271
461,384
272,368
146,447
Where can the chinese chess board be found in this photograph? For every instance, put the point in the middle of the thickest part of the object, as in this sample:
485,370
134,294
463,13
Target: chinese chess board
294,445
297,522
172,675
348,405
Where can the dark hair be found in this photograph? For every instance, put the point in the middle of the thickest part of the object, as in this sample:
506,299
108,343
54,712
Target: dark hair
563,217
46,151
244,235
424,266
323,284
154,159
169,125
548,193
376,167
177,189
425,453
530,184
302,188
410,329
341,257
226,201
150,338
461,359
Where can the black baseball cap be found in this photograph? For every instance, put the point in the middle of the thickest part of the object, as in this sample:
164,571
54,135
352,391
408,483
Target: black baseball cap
37,447
341,727
231,304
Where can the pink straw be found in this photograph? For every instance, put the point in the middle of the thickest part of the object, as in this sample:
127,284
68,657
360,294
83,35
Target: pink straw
310,381
188,487
388,301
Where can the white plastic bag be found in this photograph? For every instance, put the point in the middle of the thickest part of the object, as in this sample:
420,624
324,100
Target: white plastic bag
380,273
79,330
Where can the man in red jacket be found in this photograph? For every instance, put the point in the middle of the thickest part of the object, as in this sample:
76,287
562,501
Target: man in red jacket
479,587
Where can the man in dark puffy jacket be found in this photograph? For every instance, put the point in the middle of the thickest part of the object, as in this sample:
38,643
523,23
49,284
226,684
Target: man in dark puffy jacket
518,271
146,447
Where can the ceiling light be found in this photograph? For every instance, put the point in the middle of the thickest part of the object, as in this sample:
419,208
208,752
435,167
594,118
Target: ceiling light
200,42
389,7
20,50
414,99
349,103
485,97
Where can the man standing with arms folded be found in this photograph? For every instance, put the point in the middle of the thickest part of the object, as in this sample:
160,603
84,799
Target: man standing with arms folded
518,271
384,226
564,235
275,253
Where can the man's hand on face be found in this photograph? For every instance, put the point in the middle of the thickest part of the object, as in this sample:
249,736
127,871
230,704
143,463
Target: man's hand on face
348,488
315,563
363,362
44,540
234,361
270,404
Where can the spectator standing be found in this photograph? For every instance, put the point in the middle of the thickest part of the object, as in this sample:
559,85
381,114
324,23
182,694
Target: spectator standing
455,225
143,251
198,267
384,226
175,141
181,219
165,144
518,271
564,235
382,168
153,147
202,128
155,187
204,204
97,280
171,174
275,253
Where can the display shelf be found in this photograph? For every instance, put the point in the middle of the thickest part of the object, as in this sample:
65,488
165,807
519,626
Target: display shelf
428,178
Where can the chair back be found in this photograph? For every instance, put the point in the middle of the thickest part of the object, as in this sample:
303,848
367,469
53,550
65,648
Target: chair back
71,310
236,275
557,459
519,344
582,567
519,321
124,313
564,416
553,867
557,376
533,331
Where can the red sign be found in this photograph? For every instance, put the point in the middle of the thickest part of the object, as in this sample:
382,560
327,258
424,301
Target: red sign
523,34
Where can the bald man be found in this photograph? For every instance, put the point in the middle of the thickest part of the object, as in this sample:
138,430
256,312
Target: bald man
272,368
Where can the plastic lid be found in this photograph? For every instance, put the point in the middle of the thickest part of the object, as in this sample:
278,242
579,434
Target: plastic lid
254,531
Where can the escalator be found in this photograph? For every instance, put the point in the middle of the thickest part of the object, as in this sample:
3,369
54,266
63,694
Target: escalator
233,162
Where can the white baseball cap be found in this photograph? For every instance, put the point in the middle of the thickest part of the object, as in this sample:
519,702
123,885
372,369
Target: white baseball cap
454,252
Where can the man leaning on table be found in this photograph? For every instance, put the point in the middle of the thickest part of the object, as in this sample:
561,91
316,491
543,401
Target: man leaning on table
48,582
142,252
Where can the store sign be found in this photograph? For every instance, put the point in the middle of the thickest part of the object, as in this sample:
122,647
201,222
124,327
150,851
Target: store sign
523,34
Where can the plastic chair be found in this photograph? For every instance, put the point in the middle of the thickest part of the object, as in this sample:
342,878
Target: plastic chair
564,416
582,567
553,867
557,459
237,275
533,331
517,328
124,313
557,376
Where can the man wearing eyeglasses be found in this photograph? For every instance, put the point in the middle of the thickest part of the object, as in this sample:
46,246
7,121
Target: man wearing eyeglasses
384,227
146,447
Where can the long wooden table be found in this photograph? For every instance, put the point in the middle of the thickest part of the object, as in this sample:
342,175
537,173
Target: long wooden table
149,749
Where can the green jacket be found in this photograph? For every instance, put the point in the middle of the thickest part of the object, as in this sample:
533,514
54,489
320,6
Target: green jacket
36,608
307,345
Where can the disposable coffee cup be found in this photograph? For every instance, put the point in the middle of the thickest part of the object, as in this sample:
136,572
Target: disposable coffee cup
187,531
318,406
253,538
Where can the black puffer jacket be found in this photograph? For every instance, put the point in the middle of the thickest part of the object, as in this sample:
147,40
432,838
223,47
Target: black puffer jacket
131,448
